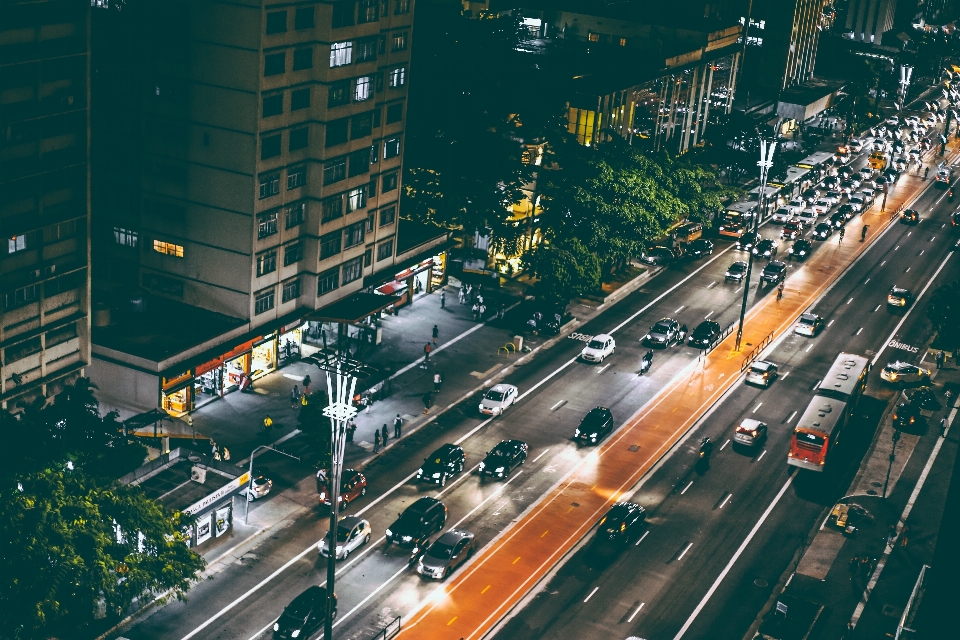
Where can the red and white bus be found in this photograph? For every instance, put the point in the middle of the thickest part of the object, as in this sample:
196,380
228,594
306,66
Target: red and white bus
821,425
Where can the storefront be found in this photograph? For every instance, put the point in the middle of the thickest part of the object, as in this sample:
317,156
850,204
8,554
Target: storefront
419,279
176,394
290,343
263,357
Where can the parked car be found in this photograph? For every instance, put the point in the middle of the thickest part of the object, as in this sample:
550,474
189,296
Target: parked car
904,373
447,461
597,424
705,334
497,399
352,533
447,553
503,459
762,373
259,488
657,256
418,522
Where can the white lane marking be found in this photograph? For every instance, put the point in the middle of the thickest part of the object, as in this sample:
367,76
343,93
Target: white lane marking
759,404
340,619
487,499
684,552
645,534
760,457
635,612
850,300
792,415
595,589
603,368
739,289
541,455
557,406
883,263
706,317
682,307
478,427
726,500
866,281
875,309
858,331
830,323
736,555
907,271
934,237
690,484
896,329
712,284
808,348
785,375
921,252
724,444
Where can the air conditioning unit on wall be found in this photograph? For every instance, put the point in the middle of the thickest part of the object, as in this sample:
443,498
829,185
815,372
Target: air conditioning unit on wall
198,474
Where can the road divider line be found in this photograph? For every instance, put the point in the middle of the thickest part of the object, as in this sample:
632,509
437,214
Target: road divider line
759,404
645,534
689,484
541,454
635,612
603,368
684,552
559,404
595,589
724,445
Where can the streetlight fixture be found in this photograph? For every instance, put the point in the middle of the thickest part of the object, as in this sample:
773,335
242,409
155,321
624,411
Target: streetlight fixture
766,161
246,511
905,72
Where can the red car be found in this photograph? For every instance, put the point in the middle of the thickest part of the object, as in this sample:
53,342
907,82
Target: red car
353,484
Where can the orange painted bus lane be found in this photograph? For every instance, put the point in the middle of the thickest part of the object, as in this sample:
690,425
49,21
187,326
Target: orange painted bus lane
473,601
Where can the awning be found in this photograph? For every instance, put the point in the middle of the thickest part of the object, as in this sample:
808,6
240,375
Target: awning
391,288
143,419
353,309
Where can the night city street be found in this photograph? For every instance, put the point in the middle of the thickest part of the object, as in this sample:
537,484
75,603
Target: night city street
463,320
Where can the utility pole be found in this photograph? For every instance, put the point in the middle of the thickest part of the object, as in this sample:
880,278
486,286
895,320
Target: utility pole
893,456
246,511
906,72
766,161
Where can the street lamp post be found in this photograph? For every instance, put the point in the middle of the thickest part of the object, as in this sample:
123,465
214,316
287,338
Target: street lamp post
766,161
905,72
246,511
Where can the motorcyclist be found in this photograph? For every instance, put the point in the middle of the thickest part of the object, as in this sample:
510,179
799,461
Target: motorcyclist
648,356
926,170
267,424
706,447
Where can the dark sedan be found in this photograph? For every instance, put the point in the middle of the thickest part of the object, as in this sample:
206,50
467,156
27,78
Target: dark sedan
774,272
705,334
766,248
909,216
304,615
503,458
699,248
823,231
445,462
746,241
621,525
594,426
838,220
800,250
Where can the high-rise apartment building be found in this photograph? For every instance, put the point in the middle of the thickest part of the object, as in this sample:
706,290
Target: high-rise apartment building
44,197
782,39
247,161
867,20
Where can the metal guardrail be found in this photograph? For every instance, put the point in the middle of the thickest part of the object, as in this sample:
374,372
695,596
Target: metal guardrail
389,631
750,357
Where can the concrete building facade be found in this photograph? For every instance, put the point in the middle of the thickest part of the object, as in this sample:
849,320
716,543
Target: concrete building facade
44,198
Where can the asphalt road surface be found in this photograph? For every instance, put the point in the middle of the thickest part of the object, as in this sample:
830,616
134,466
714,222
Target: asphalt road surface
377,583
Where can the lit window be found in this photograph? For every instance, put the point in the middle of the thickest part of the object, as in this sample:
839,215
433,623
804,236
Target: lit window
391,148
341,54
400,41
168,248
16,243
125,237
356,199
267,225
369,11
593,37
398,77
623,42
363,90
266,263
269,185
296,177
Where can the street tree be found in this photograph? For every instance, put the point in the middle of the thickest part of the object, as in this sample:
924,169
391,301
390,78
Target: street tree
565,269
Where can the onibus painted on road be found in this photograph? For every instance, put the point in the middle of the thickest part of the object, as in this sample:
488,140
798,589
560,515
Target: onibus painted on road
822,423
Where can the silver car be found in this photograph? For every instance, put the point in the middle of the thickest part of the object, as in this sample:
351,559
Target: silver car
352,533
762,373
448,552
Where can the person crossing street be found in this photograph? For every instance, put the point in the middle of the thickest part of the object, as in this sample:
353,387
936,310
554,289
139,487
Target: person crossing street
397,426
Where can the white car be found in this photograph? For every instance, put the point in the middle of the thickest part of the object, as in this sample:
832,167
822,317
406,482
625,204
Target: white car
856,203
809,324
762,373
796,206
868,194
893,120
783,214
496,400
599,347
822,206
807,217
912,120
904,372
352,533
866,173
856,145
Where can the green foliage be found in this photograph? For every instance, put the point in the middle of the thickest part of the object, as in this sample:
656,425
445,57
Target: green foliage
944,311
73,545
565,270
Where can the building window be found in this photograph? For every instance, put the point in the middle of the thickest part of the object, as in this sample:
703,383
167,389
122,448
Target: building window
125,237
300,99
21,296
391,148
272,105
266,263
363,89
297,176
292,254
352,270
372,187
16,243
22,350
361,125
367,258
269,185
335,170
399,41
168,248
291,291
299,138
270,147
366,49
359,163
375,152
384,250
61,335
328,281
296,214
277,22
387,216
275,64
623,42
267,224
303,18
369,12
398,77
353,234
339,94
371,222
593,37
302,59
264,302
336,131
389,182
330,244
395,113
401,7
332,208
341,54
356,199
343,13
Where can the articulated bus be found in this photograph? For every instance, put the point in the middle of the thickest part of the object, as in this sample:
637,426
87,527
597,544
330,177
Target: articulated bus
820,426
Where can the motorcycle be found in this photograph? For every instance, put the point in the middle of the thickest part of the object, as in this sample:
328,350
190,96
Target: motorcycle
706,448
646,362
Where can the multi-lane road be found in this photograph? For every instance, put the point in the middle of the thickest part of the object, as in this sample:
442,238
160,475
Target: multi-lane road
695,529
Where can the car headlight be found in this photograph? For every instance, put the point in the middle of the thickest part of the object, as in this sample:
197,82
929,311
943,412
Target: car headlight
389,533
893,376
323,496
647,337
803,253
576,433
295,634
483,465
481,407
420,564
339,549
593,435
276,626
436,475
420,471
500,469
406,538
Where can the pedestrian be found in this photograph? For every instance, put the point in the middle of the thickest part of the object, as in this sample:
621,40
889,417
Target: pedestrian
482,310
267,424
213,446
460,296
397,426
476,311
216,455
225,454
854,563
443,300
365,402
427,401
351,429
437,381
943,427
863,233
940,358
426,352
780,291
864,563
948,399
386,434
436,333
502,312
842,229
295,396
469,290
306,385
376,441
480,299
891,533
872,563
